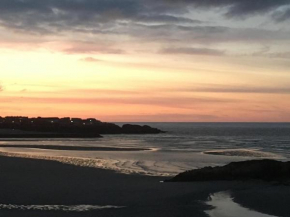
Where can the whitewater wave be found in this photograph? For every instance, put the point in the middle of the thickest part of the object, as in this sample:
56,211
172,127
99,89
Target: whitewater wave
65,208
242,153
125,166
160,164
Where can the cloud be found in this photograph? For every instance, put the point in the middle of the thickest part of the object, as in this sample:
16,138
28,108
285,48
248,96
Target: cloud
90,59
91,48
166,19
237,8
167,102
280,55
193,51
52,16
266,52
182,36
246,7
170,117
99,91
237,89
283,15
107,26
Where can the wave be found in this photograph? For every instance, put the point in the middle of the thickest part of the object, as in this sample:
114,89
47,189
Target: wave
125,166
74,148
160,164
65,208
242,153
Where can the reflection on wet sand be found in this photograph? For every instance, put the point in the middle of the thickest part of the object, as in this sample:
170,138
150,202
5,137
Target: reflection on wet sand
224,206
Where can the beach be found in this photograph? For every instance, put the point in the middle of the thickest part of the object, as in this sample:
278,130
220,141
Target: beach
122,175
140,108
34,187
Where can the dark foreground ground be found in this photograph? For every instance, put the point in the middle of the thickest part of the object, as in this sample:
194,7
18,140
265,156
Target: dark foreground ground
40,182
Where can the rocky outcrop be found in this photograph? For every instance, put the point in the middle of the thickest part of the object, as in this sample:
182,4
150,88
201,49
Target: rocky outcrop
137,129
266,170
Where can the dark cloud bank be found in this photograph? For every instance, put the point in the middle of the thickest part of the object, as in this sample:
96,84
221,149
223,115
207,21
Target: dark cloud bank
152,20
47,14
193,51
240,7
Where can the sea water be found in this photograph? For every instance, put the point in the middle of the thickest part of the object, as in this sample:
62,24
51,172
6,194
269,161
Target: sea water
183,147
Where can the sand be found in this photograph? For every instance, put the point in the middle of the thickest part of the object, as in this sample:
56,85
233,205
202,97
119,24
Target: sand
50,187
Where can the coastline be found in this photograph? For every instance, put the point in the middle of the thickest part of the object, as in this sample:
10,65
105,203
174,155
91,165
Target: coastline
45,182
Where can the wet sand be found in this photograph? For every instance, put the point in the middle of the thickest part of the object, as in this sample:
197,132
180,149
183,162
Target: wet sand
42,182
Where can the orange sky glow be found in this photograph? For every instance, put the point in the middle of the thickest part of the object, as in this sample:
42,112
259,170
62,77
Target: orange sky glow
147,72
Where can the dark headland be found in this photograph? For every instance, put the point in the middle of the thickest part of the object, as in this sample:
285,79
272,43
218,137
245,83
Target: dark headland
54,127
265,170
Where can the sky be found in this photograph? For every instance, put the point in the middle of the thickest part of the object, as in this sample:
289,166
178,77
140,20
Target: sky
146,60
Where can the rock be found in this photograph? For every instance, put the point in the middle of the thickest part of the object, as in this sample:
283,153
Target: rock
266,170
137,129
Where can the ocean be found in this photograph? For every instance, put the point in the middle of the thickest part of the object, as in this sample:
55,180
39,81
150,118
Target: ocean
184,146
